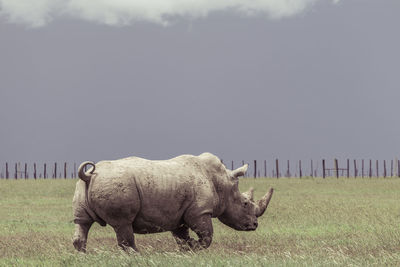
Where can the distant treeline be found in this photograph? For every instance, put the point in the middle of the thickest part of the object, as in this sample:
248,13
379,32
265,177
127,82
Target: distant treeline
257,168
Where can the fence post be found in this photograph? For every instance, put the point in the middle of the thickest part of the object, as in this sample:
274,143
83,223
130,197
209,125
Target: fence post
336,168
16,171
232,165
300,172
25,171
362,168
377,168
55,170
44,172
75,170
312,171
348,168
34,171
391,168
277,168
370,168
398,168
265,168
384,168
255,168
65,170
323,169
7,173
355,169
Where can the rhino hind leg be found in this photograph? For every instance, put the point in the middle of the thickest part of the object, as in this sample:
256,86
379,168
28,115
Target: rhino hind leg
80,236
182,238
202,226
125,237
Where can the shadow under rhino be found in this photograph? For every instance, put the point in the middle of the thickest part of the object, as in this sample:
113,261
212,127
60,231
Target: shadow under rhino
136,195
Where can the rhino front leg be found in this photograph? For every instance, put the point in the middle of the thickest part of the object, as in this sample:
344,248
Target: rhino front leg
182,237
125,237
80,236
202,226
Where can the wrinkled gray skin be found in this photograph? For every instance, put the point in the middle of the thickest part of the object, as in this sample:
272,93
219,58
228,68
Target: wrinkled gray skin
136,195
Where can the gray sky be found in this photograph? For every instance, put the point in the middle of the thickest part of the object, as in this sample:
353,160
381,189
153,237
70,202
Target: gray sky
318,82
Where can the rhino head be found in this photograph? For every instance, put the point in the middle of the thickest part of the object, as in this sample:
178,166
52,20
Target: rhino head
241,211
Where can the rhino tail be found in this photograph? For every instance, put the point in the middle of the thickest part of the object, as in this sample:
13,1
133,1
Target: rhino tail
86,175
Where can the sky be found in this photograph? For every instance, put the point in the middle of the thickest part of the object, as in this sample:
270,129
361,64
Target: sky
294,80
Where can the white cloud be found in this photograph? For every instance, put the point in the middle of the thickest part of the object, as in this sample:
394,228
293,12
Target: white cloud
36,13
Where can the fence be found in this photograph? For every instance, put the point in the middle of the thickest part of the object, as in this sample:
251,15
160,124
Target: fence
358,168
20,172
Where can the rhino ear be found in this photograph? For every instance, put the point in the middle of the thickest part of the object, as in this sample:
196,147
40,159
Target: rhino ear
240,171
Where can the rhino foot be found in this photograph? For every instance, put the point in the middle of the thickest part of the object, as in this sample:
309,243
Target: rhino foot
186,245
80,236
202,243
202,226
125,237
189,245
80,245
194,244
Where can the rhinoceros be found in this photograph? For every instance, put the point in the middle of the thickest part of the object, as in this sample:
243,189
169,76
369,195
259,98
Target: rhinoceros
135,195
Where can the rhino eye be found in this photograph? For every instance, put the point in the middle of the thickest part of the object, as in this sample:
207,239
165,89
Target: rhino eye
245,204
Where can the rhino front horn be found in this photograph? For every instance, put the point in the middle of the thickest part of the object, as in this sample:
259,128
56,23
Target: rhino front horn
263,203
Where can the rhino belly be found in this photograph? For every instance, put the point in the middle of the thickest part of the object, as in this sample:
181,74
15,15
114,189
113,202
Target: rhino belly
143,226
159,218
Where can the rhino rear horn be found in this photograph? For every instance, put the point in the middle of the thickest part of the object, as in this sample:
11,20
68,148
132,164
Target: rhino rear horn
249,194
263,203
240,171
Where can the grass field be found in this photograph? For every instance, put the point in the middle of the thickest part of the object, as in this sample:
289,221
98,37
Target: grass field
308,222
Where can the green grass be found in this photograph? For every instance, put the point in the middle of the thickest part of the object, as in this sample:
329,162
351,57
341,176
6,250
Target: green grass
317,221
